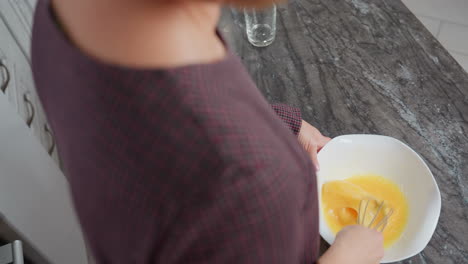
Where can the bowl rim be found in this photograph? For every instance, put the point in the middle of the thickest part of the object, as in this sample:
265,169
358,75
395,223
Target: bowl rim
438,202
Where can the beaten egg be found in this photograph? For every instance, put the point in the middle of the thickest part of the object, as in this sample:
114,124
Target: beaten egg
341,200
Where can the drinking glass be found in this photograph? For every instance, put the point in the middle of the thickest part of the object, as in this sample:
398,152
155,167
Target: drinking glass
260,25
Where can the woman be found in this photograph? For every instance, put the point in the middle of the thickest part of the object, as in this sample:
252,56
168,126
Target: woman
172,154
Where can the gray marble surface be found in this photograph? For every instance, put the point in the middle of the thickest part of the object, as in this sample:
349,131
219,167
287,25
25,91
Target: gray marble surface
369,66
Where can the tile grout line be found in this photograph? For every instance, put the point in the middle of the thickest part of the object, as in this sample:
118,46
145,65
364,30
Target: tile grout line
439,29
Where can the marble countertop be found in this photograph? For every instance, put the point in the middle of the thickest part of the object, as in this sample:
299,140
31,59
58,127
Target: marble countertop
369,66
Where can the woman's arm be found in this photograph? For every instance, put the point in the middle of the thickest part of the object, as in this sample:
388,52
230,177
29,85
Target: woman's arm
355,245
309,137
291,116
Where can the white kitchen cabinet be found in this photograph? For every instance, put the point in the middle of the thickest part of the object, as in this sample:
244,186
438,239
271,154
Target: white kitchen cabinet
15,37
34,196
35,204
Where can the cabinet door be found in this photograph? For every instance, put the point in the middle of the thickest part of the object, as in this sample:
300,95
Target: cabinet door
34,195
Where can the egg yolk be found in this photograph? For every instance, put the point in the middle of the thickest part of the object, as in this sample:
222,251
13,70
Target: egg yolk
341,200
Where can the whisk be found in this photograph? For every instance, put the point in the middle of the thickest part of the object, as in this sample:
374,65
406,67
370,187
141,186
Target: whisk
373,216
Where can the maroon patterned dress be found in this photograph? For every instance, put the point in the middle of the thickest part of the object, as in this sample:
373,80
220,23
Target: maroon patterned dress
187,165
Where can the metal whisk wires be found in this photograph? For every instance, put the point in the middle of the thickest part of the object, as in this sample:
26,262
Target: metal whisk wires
377,216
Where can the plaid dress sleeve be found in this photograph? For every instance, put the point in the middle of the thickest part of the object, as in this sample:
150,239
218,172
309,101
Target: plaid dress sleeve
291,116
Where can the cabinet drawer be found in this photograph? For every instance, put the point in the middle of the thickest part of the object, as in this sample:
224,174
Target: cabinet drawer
8,79
17,16
23,93
31,110
32,3
18,65
7,66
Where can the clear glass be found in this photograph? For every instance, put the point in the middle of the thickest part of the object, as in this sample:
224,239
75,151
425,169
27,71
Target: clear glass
260,25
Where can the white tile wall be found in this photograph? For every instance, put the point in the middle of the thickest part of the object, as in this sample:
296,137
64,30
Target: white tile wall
454,37
447,20
461,58
450,10
432,24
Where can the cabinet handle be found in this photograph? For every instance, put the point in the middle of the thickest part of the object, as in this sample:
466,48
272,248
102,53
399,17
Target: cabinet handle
51,148
4,85
30,108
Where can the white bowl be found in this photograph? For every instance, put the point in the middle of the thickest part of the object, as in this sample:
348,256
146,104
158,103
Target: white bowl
348,155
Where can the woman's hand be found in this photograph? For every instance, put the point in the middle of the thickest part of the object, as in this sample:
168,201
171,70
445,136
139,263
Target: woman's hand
355,245
312,141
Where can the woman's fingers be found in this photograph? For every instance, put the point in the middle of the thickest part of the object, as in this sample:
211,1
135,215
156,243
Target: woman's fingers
322,142
313,155
314,149
312,141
